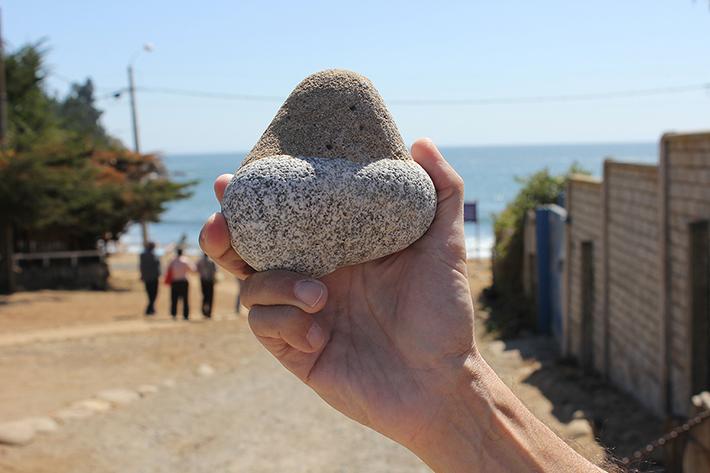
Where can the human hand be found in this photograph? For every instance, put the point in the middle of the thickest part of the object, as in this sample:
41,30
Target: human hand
390,343
384,342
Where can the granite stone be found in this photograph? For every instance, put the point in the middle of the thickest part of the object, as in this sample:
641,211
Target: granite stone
329,184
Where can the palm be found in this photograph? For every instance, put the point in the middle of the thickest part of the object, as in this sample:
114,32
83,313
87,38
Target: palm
391,332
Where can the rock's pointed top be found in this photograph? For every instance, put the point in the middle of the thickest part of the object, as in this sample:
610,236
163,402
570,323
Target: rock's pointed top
332,114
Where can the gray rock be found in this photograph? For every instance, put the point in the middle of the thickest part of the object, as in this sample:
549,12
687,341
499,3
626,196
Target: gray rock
42,424
95,405
579,428
205,370
146,389
118,396
329,184
169,383
16,433
71,413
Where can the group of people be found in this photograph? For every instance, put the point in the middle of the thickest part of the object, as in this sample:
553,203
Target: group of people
176,276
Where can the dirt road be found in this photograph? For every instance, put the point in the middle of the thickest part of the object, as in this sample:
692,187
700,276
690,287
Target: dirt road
249,416
240,412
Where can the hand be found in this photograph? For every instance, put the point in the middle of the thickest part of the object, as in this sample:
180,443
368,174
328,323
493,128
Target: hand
390,343
384,341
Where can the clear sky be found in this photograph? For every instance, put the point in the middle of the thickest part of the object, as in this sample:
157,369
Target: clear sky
410,50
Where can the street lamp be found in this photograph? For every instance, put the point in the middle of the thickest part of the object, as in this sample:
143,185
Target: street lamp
147,47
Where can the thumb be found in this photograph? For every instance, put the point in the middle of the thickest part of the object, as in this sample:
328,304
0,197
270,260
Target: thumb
447,227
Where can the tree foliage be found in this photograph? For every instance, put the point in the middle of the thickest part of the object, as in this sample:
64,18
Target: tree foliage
64,177
538,189
79,116
32,117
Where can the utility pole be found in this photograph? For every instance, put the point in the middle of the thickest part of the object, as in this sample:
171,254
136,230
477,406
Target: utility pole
6,237
136,139
134,118
3,93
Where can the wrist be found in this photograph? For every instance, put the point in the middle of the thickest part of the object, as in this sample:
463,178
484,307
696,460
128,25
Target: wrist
482,427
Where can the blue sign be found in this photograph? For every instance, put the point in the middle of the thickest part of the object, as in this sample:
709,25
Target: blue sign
470,212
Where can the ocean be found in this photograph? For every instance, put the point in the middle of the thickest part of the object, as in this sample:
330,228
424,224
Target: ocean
489,174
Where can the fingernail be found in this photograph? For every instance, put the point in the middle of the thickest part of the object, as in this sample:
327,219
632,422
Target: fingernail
309,292
315,336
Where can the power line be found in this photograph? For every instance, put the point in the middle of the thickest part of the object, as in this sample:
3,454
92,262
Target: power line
538,99
560,98
213,95
116,93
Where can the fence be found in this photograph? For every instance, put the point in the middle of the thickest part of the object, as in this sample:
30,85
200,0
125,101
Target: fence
637,293
61,269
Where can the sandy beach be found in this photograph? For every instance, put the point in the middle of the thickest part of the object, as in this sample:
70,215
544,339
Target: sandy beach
222,403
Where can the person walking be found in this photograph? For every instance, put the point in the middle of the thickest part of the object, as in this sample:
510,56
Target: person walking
178,269
150,274
208,271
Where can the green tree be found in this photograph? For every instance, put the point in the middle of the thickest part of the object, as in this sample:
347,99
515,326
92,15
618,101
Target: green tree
537,189
64,180
79,116
60,194
31,112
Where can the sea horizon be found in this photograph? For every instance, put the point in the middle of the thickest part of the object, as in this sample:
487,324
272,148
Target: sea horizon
441,146
489,173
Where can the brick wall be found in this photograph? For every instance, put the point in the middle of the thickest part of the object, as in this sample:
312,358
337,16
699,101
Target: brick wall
635,334
584,206
685,160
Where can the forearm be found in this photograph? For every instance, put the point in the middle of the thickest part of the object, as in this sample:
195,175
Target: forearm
483,427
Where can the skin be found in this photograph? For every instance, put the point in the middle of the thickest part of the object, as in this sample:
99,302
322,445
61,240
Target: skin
390,344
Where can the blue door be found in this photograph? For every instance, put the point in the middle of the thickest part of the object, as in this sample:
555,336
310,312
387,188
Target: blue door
550,236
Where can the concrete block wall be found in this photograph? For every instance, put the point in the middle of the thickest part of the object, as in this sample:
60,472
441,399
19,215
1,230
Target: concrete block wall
633,281
584,201
685,162
638,218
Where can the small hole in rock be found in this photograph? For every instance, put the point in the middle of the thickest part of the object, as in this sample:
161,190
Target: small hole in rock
329,146
361,127
353,108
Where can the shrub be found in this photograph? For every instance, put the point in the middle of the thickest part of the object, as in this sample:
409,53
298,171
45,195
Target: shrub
537,189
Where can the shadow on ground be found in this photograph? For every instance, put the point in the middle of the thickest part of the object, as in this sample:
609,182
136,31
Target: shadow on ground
620,423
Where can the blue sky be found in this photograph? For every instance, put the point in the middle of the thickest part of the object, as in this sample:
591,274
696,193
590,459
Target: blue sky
410,50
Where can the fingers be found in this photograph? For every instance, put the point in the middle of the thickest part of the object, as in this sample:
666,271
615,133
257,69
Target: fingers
214,240
447,229
220,184
446,181
275,325
277,288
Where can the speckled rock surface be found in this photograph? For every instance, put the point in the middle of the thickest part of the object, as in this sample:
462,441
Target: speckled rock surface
329,184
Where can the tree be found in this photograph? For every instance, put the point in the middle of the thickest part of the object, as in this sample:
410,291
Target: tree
537,189
64,178
31,112
79,115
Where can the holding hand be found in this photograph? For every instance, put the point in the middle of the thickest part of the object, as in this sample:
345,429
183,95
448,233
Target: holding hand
390,342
